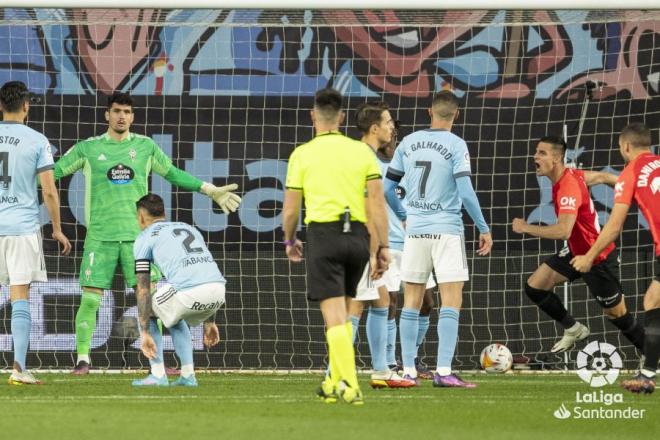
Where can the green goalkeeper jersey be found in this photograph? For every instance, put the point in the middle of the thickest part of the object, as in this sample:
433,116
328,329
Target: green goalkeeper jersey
116,176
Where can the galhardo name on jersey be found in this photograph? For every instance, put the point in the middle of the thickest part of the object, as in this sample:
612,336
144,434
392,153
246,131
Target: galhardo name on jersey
429,145
121,174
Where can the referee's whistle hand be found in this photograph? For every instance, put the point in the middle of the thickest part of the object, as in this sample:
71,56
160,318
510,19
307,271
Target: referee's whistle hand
379,263
295,252
485,244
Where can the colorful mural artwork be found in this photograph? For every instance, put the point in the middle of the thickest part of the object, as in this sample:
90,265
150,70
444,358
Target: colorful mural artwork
193,52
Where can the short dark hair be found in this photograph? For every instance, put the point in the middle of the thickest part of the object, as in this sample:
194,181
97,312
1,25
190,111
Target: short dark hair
368,114
327,102
153,204
444,105
638,134
558,144
120,98
12,96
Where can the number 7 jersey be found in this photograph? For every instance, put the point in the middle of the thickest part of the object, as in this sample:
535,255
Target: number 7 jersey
180,253
431,160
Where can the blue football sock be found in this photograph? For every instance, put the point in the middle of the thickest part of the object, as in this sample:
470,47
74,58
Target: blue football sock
424,322
182,341
355,322
377,336
20,330
447,337
155,333
408,329
391,342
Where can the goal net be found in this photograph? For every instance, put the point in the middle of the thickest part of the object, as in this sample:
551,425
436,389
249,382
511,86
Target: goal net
226,94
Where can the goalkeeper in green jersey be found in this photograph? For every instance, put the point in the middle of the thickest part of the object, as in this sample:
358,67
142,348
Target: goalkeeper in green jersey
116,166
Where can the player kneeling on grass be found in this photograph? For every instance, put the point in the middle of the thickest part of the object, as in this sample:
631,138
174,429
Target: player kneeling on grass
195,292
577,222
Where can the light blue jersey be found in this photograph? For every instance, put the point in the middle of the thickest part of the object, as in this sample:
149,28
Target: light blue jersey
180,253
24,153
396,233
431,160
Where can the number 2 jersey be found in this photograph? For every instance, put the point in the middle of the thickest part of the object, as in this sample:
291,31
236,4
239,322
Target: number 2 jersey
431,160
24,153
640,179
571,196
180,253
116,176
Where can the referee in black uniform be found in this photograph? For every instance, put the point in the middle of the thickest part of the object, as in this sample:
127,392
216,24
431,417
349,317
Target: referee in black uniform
340,180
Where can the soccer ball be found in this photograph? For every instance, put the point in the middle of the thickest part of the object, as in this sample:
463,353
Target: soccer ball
496,358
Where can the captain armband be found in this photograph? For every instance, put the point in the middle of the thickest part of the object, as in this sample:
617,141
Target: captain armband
142,266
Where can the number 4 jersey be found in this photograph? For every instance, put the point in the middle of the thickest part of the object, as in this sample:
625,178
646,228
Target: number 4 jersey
24,153
179,251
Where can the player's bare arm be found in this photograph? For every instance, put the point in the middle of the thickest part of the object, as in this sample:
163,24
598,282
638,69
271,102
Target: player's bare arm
143,295
52,201
610,232
375,202
559,231
290,214
592,178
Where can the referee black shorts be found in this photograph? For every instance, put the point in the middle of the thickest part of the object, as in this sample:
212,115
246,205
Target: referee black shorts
335,259
602,279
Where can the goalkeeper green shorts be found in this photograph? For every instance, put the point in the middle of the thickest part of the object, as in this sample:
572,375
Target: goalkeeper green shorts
100,259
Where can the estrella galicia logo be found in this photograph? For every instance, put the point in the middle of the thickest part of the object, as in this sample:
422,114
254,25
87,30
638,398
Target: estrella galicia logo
598,364
120,174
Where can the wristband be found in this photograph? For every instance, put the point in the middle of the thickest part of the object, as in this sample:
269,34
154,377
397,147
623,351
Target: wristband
289,242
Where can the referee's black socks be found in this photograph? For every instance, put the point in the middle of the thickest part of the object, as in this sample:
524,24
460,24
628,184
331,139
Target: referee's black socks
631,329
550,304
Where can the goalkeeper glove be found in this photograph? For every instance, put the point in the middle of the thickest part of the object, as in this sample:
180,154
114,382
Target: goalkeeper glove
222,196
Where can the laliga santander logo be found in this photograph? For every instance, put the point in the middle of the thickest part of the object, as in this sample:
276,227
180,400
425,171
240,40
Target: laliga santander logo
598,364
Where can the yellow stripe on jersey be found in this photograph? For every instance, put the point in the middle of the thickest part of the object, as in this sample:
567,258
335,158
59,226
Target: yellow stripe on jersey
332,171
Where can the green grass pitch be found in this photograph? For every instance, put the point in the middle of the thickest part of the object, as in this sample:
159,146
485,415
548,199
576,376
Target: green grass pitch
245,406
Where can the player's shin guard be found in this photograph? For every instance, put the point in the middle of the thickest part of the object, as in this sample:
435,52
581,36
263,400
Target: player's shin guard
377,336
631,329
182,341
651,341
86,321
424,323
447,338
391,342
342,355
550,304
408,329
20,330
